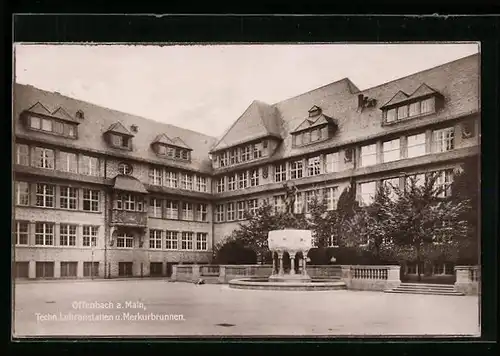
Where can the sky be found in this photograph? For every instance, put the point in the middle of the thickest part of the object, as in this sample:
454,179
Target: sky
205,88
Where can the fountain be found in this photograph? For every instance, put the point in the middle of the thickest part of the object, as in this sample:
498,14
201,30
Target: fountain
294,244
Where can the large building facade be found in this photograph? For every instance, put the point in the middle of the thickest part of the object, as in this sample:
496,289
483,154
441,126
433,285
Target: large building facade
100,193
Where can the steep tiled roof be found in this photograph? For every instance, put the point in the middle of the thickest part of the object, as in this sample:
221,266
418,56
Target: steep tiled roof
177,141
401,97
39,109
60,113
457,81
129,184
98,119
118,128
259,120
162,138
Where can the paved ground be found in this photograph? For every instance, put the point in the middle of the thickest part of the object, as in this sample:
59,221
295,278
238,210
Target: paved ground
199,310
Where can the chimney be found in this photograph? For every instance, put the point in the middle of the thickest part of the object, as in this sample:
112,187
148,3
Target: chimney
361,101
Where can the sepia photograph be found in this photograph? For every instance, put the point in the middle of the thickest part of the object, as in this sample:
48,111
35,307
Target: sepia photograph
180,190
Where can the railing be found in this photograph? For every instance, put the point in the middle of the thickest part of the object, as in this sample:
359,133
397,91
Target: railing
369,272
209,271
184,270
474,274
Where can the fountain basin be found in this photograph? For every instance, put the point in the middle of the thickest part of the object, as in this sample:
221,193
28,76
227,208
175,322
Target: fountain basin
299,285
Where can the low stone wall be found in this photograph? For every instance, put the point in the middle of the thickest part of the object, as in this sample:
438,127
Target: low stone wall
467,279
375,278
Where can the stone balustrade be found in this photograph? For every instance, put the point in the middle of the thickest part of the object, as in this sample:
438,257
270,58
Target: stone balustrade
376,278
467,279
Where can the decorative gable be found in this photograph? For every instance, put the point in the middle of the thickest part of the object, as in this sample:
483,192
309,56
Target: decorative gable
38,108
171,148
118,136
62,114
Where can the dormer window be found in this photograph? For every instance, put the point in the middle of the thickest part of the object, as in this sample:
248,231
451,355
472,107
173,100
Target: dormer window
119,137
58,122
402,106
316,128
173,149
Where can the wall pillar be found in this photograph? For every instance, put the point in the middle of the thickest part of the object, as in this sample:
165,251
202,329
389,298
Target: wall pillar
195,272
222,274
173,277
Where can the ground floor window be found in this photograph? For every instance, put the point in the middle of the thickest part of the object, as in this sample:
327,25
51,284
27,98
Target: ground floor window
22,269
125,269
44,269
156,268
90,269
125,240
68,269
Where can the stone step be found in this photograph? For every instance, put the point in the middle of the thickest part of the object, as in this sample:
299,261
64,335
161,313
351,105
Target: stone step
427,292
426,288
428,285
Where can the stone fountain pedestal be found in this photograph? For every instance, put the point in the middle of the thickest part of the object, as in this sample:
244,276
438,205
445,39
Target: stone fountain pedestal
291,241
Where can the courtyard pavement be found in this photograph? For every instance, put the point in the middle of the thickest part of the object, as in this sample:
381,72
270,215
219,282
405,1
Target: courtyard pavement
56,309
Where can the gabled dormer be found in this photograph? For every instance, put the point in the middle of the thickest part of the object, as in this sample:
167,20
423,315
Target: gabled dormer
118,136
402,106
317,127
57,122
174,148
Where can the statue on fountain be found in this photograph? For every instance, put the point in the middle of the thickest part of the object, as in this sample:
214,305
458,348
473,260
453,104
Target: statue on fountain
290,196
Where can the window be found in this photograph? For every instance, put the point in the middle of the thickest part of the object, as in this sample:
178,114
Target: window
201,241
331,197
124,168
171,179
22,154
219,212
120,141
253,206
44,269
128,202
186,240
221,184
242,180
201,184
67,235
332,162
390,184
155,207
280,172
70,130
279,203
414,109
306,138
443,183
428,106
402,112
21,232
125,269
296,169
171,240
391,150
233,157
68,198
257,152
44,158
246,153
155,175
315,135
187,211
44,234
368,155
90,269
230,212
202,212
172,211
313,166
22,193
298,139
223,159
47,125
68,269
58,127
254,177
367,192
155,239
124,240
443,139
333,241
241,210
45,195
299,204
68,162
391,115
231,184
89,236
90,200
416,145
89,166
35,122
418,178
310,196
162,150
186,181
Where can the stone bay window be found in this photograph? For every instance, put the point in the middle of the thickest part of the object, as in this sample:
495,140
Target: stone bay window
175,149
